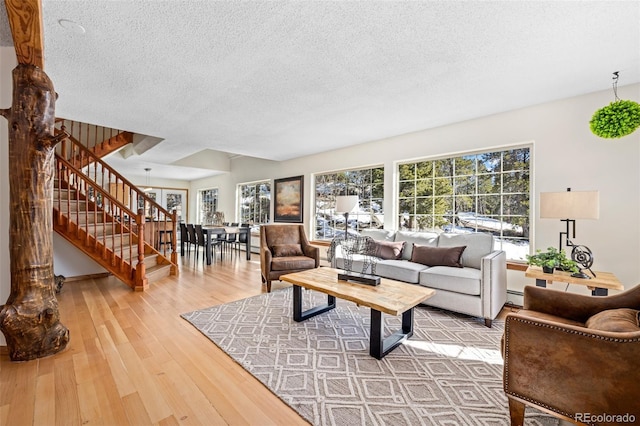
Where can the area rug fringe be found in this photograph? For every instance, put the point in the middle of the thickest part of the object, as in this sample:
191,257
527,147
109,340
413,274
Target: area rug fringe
449,372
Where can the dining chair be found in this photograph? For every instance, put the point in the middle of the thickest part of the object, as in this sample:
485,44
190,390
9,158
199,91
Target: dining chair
243,236
193,240
218,240
232,237
201,241
184,236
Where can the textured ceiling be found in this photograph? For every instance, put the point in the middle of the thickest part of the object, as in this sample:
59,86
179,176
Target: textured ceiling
283,79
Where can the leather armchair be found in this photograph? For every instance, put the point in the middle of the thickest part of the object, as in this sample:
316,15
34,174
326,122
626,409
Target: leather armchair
561,356
285,249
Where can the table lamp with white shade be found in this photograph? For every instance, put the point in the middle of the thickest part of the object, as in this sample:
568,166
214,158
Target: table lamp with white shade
346,204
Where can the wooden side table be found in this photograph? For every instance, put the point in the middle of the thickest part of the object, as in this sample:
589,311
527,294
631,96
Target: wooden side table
599,285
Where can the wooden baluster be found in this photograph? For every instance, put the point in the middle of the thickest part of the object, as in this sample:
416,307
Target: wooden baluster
86,215
63,146
141,274
67,179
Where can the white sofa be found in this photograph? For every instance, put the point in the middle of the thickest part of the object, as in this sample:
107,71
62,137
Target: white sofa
477,286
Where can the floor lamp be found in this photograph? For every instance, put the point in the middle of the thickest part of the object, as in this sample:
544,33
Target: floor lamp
346,204
569,206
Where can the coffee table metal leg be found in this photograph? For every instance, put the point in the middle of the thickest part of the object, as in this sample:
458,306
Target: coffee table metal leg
299,315
378,345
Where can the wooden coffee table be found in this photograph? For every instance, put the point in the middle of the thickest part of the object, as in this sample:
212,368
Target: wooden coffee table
390,297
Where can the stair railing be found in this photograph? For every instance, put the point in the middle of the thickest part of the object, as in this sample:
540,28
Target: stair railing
158,221
105,227
88,135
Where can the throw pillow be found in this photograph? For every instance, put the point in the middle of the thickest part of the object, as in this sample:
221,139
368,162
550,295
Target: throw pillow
437,256
286,250
617,320
389,249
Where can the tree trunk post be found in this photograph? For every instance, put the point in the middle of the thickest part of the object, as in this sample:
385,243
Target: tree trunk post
30,319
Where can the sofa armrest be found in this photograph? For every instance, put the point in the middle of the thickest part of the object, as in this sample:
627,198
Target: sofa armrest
570,369
493,268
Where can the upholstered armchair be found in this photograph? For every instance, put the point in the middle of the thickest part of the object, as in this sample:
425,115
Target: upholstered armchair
285,249
574,356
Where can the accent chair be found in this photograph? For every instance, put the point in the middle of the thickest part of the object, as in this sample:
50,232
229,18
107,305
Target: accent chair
573,356
285,249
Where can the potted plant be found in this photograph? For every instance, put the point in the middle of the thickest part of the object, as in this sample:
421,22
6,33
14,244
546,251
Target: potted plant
552,259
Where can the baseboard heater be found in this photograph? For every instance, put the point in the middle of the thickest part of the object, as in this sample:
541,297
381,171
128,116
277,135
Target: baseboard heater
511,303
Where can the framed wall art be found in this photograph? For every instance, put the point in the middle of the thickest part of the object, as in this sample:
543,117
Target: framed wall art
288,199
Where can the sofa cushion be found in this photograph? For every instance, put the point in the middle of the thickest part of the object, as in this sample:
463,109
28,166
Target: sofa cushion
292,262
465,280
378,234
478,244
617,320
400,270
388,249
284,250
411,238
437,256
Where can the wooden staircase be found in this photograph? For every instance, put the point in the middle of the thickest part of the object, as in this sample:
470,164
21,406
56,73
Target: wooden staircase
103,214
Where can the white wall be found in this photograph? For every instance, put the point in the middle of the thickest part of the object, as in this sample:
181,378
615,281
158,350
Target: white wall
566,154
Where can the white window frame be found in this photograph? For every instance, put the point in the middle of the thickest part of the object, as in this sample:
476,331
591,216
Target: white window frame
200,217
516,247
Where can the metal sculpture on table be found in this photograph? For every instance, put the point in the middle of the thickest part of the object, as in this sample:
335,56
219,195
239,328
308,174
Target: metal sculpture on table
363,246
584,258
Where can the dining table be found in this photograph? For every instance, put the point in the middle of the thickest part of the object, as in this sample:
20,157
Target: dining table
212,230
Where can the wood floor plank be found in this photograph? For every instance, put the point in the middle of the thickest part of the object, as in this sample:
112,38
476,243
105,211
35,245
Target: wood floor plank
45,407
136,412
67,399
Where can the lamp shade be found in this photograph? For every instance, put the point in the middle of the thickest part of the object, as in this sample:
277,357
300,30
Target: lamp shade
570,205
346,203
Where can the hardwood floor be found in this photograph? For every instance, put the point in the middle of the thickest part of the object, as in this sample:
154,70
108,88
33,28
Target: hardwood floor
133,361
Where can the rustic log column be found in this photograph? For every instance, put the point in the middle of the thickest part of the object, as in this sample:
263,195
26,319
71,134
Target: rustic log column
30,318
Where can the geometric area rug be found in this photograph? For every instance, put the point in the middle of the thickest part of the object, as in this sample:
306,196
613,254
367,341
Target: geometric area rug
448,373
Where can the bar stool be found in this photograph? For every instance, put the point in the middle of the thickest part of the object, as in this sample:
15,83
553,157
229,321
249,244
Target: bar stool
165,236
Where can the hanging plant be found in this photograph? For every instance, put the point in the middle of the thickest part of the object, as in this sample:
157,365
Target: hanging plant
619,118
616,120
